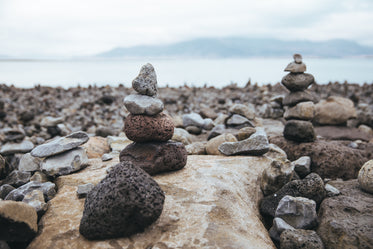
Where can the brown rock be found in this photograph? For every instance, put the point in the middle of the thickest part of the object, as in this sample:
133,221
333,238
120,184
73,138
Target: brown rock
212,146
334,110
303,111
330,159
96,147
141,128
294,98
245,132
156,157
341,133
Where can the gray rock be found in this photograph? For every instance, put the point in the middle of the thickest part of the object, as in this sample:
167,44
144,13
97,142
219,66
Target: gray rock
181,135
297,58
29,163
311,187
143,104
195,130
15,135
84,189
298,212
294,67
60,145
276,153
39,177
193,119
118,143
302,111
277,175
197,148
65,163
279,225
243,110
294,98
299,238
5,189
13,148
208,124
300,131
302,166
17,178
331,191
238,121
36,200
126,188
146,82
47,188
49,121
257,144
105,131
109,156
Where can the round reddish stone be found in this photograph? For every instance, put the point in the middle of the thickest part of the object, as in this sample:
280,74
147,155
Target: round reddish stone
142,128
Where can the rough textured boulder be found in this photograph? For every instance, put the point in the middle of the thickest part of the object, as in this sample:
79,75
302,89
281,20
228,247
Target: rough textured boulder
346,221
156,157
329,159
277,175
297,81
212,203
294,98
299,238
18,221
212,146
146,82
334,110
301,131
141,128
365,177
302,111
143,104
125,202
311,187
96,147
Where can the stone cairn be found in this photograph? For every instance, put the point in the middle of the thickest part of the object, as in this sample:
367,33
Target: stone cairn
128,199
299,103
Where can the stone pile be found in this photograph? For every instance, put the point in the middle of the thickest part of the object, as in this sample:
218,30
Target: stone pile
299,103
150,128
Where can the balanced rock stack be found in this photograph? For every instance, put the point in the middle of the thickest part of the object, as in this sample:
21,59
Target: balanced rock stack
299,103
150,128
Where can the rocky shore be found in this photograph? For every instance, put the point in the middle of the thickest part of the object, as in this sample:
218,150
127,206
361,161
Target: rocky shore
55,143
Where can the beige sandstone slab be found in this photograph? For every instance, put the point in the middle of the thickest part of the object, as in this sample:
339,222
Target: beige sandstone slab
211,203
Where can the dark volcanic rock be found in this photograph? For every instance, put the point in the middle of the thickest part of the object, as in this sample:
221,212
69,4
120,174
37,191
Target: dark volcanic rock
346,221
125,202
311,187
301,131
294,98
299,238
329,159
141,128
156,157
297,81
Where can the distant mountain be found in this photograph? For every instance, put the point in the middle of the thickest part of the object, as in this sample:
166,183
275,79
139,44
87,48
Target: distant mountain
244,47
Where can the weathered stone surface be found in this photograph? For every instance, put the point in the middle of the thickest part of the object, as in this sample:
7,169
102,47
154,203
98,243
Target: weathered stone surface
208,124
207,205
297,81
256,145
17,178
365,177
141,128
65,163
302,111
298,212
18,221
96,147
302,166
60,145
143,104
125,202
156,157
294,98
13,134
193,119
39,177
118,143
18,194
331,191
29,163
13,148
346,221
36,200
238,121
279,225
197,148
146,82
276,176
334,111
84,189
329,159
300,238
212,146
311,187
49,121
245,132
296,68
5,189
181,135
300,131
276,153
243,110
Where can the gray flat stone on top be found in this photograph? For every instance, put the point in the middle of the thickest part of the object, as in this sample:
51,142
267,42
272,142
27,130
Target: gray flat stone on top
60,145
13,148
143,104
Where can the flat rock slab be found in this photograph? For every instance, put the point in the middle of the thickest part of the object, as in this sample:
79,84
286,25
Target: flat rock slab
211,203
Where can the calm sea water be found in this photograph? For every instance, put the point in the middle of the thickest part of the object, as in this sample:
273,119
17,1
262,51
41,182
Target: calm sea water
177,72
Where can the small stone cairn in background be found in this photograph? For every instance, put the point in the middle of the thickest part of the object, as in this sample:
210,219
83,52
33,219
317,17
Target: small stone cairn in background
300,107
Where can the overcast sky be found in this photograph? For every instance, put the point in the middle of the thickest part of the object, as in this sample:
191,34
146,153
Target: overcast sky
30,28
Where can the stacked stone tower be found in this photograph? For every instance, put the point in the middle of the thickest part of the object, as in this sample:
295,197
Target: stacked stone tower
299,103
150,128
